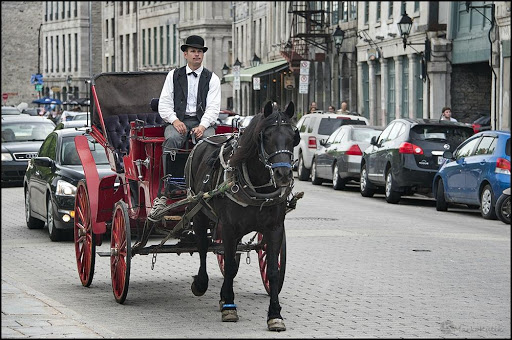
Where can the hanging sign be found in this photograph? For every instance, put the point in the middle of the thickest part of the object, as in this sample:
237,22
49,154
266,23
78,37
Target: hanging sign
256,83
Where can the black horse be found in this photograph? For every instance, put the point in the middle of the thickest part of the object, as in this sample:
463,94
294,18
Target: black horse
259,165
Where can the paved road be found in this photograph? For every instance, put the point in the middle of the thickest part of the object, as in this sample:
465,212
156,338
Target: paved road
356,267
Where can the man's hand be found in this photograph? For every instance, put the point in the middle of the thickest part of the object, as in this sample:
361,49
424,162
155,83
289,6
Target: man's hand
198,131
180,126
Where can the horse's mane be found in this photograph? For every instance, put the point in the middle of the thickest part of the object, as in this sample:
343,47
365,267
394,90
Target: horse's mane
249,140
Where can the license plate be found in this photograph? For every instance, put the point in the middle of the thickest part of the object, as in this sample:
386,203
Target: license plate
440,160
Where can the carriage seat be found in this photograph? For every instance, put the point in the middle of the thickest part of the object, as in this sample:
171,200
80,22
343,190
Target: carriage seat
118,132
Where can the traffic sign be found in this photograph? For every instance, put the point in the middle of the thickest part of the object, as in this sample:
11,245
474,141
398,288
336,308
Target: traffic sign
5,96
256,83
303,83
39,87
304,67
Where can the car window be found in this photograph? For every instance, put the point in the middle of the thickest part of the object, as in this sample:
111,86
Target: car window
384,135
328,125
399,127
69,154
26,131
467,149
452,134
340,135
304,124
333,136
364,135
486,146
49,146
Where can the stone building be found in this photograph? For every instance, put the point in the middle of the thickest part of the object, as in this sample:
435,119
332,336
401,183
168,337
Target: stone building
19,50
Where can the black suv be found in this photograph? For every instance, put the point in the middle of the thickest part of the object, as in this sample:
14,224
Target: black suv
404,158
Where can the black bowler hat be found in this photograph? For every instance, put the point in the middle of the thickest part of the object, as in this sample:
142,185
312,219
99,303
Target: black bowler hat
194,41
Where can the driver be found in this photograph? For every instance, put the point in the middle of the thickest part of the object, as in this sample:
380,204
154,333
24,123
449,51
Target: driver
190,97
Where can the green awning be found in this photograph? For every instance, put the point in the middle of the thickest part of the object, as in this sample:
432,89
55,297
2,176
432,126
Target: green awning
246,74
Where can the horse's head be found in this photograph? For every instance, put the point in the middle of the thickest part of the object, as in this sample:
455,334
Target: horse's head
277,138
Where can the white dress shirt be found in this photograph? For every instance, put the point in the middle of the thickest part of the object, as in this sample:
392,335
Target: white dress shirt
212,109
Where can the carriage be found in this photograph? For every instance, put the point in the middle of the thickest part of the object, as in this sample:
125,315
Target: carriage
125,121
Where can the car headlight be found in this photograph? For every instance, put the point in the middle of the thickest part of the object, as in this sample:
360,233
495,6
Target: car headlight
65,189
6,157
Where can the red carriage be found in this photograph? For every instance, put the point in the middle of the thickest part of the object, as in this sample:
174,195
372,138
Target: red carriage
132,133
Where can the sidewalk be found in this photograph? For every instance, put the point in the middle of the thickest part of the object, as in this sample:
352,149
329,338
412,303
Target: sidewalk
27,313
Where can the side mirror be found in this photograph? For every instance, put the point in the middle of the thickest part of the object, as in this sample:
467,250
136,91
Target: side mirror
448,154
323,142
373,141
43,161
154,104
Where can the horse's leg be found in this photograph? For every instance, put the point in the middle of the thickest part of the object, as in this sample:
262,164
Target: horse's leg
200,283
227,295
274,318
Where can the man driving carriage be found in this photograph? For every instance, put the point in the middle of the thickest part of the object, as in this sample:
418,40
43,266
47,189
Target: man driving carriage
190,98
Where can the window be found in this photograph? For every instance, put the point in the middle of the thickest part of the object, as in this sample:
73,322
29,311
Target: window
121,47
391,89
57,53
63,53
403,7
69,52
113,29
76,9
155,55
174,43
390,9
467,149
486,146
366,11
405,87
366,91
51,49
419,89
335,12
168,44
76,51
378,10
143,47
106,28
353,10
416,6
149,46
161,45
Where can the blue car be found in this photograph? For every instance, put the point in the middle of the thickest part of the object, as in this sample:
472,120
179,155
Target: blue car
475,174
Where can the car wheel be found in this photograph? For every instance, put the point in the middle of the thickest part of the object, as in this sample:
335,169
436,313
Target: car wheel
32,223
486,207
364,184
338,183
314,177
391,195
302,172
441,204
503,208
55,234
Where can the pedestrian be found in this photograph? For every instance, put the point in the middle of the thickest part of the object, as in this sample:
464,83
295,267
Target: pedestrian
447,114
344,107
331,109
190,98
312,107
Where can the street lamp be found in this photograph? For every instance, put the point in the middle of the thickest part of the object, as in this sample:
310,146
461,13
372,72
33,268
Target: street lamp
255,61
68,80
338,36
404,26
237,63
225,69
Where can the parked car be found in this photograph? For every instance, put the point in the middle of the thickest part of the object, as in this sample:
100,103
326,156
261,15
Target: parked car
404,158
476,173
51,179
312,128
22,136
339,158
10,110
82,116
245,121
33,111
72,124
482,124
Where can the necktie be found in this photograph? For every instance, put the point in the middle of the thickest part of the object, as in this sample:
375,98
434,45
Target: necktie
192,73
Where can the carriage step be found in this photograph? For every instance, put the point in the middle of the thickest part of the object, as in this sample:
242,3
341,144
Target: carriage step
103,253
172,218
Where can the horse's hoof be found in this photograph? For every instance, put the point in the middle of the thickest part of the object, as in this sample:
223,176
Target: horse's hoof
276,325
195,291
229,315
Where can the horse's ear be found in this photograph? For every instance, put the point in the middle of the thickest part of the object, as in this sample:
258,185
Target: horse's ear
290,109
267,110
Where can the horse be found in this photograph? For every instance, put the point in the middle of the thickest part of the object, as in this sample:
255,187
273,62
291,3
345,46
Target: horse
259,163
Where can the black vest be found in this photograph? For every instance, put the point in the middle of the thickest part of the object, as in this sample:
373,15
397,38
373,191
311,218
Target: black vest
180,83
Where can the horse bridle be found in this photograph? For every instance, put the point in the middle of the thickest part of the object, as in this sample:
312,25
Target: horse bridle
265,157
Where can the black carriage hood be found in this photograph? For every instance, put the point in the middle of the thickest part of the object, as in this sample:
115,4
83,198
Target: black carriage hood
125,93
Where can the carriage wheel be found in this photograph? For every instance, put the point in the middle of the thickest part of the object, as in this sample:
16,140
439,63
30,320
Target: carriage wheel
281,263
220,257
85,245
120,252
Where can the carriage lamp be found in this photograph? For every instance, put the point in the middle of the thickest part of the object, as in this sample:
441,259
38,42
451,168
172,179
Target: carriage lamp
256,61
225,69
338,37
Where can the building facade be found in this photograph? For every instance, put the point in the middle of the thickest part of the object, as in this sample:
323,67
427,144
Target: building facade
456,54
